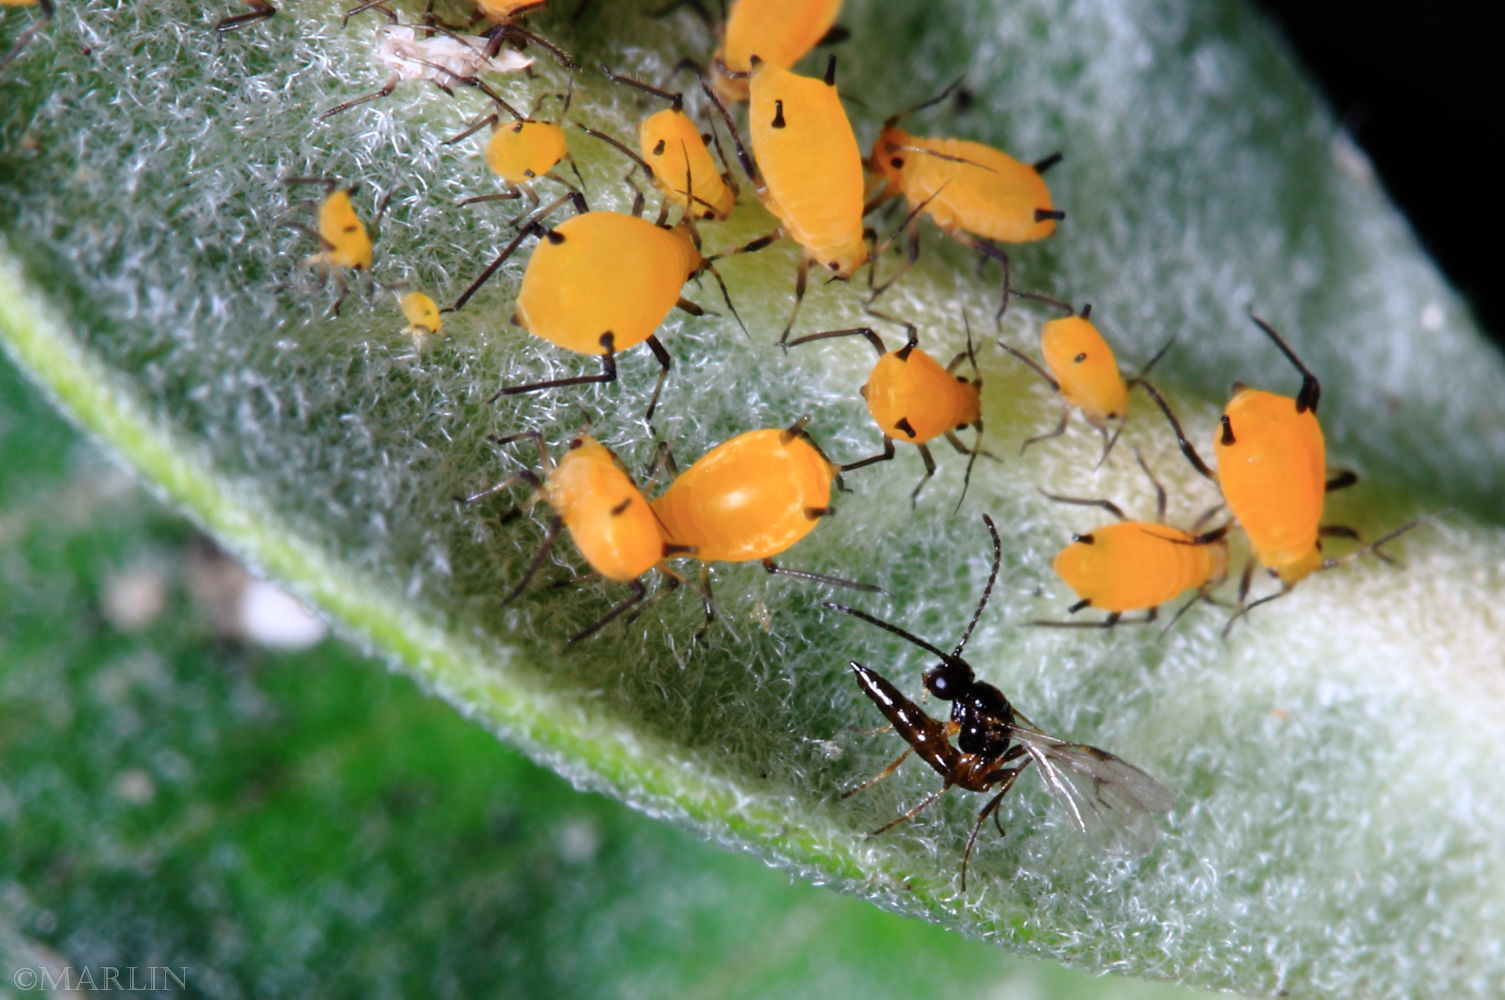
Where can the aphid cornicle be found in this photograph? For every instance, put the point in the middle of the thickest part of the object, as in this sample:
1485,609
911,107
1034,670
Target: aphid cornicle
345,244
606,515
810,172
44,16
912,398
976,194
751,498
601,283
1139,565
1272,470
1080,366
995,743
778,32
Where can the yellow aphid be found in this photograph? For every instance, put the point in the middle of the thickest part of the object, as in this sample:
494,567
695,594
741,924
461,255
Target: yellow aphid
1080,366
601,283
811,173
912,398
977,195
777,32
751,498
596,501
422,314
1139,565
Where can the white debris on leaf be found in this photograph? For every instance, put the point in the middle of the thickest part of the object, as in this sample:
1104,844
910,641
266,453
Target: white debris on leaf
413,54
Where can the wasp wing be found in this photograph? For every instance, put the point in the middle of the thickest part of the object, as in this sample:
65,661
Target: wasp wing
1101,792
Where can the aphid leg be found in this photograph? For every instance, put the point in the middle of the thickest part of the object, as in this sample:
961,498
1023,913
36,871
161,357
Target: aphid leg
1160,496
801,280
361,9
385,90
531,197
521,476
883,456
835,581
971,453
912,224
551,534
1010,775
532,228
665,363
617,610
501,258
1055,432
1186,446
260,11
471,129
663,461
608,374
708,601
890,769
929,460
510,193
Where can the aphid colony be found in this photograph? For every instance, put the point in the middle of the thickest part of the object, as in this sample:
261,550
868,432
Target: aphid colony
599,283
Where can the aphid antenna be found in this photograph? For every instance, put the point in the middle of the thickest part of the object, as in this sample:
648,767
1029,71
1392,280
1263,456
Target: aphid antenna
931,102
1187,448
617,144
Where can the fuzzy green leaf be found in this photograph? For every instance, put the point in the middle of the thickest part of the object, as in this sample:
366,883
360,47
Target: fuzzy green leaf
1335,833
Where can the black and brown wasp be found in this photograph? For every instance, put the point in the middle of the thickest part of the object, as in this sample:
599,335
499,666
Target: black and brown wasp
995,743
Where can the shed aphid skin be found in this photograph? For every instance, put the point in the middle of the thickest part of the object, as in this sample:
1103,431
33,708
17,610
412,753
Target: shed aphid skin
523,150
1272,470
752,498
977,195
673,150
345,244
1080,366
912,398
777,32
601,283
596,501
260,11
1139,565
43,18
810,173
422,314
434,53
995,743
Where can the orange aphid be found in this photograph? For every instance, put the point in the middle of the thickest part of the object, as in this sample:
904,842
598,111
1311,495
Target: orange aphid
777,32
596,501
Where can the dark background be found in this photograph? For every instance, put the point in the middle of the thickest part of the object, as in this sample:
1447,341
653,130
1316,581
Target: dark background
1421,87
